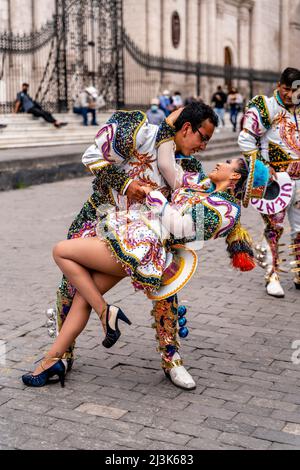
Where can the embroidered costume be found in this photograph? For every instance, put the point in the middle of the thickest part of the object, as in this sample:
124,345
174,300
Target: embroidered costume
271,133
136,137
141,243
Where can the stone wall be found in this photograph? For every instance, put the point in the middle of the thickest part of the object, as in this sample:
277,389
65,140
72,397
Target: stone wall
260,34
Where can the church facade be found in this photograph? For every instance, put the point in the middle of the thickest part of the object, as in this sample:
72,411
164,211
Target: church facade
186,45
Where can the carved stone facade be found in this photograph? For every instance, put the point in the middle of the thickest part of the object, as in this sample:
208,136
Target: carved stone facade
251,34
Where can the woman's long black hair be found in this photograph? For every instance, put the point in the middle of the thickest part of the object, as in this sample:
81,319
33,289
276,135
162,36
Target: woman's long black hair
240,187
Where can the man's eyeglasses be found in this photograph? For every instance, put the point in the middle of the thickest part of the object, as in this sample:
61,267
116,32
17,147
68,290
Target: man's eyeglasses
204,138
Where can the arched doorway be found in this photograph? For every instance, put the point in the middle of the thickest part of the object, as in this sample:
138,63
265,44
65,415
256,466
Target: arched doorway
228,63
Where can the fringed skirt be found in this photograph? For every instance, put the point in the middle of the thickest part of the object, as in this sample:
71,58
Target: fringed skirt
136,246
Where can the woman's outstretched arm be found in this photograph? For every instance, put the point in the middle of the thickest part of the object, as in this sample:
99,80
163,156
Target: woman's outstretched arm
181,226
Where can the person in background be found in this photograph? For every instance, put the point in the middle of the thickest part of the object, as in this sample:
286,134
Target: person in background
235,102
192,99
155,115
166,103
86,103
25,104
177,100
271,133
219,100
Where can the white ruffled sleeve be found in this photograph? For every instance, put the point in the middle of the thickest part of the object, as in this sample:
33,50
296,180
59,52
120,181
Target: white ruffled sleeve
181,226
170,170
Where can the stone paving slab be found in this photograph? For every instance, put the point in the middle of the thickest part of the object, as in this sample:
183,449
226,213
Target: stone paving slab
239,350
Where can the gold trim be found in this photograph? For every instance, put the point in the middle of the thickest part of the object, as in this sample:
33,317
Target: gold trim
176,275
194,266
92,203
297,245
249,185
171,365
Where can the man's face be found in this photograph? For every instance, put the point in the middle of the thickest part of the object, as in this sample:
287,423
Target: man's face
287,93
189,142
25,88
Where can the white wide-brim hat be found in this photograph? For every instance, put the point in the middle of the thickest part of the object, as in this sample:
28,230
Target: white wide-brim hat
277,197
179,271
92,91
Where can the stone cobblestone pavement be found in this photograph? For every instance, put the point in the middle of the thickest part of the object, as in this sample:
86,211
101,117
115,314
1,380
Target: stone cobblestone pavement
239,350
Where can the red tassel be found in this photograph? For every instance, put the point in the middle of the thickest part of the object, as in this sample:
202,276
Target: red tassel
243,262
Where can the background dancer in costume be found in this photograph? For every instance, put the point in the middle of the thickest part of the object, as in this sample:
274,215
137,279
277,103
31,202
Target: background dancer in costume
271,132
135,143
211,206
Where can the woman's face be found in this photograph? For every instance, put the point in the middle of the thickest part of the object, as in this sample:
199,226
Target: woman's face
226,171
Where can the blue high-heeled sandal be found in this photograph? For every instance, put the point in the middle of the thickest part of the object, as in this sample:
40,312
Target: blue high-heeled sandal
43,378
112,335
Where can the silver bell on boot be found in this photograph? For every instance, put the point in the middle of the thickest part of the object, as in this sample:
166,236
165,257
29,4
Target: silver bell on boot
51,323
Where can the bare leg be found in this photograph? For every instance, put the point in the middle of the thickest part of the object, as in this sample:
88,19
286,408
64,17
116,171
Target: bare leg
76,258
76,320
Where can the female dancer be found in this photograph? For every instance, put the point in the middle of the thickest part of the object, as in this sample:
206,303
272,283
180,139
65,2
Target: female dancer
209,209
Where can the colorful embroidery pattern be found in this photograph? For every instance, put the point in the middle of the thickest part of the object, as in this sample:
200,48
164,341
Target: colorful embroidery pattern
128,125
278,157
164,134
288,132
165,314
259,102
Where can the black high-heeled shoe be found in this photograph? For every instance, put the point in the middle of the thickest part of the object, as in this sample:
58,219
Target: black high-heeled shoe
43,378
112,335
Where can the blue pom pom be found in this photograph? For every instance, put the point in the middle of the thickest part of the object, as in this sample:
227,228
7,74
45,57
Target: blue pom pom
182,321
183,332
181,310
261,174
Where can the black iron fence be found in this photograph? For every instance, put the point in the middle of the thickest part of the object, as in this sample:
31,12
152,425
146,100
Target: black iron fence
153,73
81,46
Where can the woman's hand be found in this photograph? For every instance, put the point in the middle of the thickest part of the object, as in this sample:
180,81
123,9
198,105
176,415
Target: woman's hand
147,189
172,118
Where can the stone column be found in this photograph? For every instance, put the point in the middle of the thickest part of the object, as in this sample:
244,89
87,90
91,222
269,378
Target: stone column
4,16
220,32
204,30
21,16
204,57
211,31
244,35
284,59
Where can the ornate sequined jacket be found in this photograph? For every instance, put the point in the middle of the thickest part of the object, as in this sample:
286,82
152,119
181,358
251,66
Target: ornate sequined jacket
128,148
271,131
193,216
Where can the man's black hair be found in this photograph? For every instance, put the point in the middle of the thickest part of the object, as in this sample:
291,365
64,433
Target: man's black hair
289,76
25,84
196,113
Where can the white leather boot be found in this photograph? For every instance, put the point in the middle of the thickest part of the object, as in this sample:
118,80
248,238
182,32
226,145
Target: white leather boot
178,374
273,287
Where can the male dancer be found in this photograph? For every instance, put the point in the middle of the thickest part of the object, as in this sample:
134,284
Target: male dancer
271,131
127,148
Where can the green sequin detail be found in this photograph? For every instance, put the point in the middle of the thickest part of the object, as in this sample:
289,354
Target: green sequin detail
276,154
259,103
164,134
128,125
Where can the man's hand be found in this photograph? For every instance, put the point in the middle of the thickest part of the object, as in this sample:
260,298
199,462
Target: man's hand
135,192
147,189
273,174
294,170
